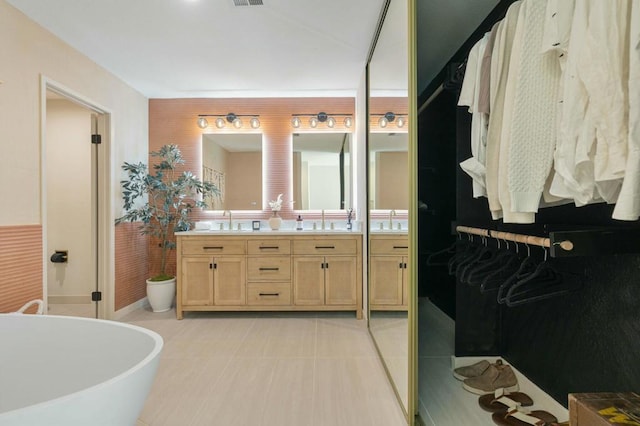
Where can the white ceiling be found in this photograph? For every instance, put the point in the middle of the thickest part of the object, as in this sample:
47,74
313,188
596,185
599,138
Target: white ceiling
211,48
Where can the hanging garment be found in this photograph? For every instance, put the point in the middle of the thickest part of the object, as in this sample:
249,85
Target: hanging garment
501,57
469,95
484,97
628,205
533,123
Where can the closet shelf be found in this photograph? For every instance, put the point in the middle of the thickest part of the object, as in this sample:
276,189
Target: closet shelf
573,243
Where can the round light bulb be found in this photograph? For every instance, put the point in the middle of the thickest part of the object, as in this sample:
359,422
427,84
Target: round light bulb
203,123
331,122
348,122
313,122
237,123
255,123
295,122
383,122
401,121
220,122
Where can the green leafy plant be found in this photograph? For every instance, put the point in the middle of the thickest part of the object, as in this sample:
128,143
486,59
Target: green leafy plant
171,196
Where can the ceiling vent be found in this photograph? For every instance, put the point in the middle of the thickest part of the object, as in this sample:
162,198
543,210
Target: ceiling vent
247,2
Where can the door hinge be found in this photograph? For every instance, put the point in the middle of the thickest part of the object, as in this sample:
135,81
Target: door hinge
96,139
96,296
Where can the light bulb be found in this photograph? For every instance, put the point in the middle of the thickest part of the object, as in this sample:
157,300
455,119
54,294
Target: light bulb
237,123
220,122
401,121
331,122
383,122
255,123
295,122
348,122
202,123
313,122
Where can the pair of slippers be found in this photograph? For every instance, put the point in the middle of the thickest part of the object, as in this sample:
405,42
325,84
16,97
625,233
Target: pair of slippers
507,409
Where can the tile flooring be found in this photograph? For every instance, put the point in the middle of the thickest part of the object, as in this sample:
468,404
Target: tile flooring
264,369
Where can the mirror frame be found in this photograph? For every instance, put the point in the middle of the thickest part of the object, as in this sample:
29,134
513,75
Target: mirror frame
411,412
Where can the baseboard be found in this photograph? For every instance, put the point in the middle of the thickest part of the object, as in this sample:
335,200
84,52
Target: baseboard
542,400
68,300
121,313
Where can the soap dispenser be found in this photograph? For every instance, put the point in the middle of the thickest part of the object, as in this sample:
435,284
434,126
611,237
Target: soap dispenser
299,223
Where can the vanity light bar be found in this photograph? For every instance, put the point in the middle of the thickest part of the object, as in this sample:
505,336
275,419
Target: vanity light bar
223,119
321,117
390,117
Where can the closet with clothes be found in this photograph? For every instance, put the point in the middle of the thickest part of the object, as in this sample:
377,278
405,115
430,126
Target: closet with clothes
529,175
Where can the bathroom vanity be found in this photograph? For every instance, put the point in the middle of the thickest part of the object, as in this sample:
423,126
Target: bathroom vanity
269,271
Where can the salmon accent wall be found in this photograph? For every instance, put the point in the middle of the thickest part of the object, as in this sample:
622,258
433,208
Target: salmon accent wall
20,266
174,121
131,264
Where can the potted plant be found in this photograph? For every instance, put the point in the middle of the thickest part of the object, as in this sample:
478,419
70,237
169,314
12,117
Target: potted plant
170,197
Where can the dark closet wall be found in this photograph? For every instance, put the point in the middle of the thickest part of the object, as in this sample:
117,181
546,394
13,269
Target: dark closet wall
586,341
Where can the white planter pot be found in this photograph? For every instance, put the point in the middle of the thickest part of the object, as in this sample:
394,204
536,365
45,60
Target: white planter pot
161,294
274,222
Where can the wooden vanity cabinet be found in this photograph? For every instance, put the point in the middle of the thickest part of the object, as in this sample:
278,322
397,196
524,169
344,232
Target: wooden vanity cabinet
257,272
388,273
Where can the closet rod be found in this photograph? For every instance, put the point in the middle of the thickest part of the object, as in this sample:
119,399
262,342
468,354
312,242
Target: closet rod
519,238
430,99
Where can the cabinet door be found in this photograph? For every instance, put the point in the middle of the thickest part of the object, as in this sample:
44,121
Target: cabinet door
308,280
340,280
386,279
197,281
229,280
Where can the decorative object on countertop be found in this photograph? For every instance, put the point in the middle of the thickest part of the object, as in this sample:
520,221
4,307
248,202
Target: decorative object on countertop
275,221
171,197
299,224
349,219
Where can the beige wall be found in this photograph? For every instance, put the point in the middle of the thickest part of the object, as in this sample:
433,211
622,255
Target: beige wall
392,177
244,180
28,53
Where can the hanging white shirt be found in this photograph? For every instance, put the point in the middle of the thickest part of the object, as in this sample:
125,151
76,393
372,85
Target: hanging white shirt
469,94
628,205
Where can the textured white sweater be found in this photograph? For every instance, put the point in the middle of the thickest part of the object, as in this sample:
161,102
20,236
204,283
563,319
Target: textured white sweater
533,122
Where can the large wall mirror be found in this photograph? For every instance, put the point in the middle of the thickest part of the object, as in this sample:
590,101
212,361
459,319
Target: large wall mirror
322,164
388,180
388,172
234,163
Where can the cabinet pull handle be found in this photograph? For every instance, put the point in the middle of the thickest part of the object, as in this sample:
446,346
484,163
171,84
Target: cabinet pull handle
269,269
400,247
400,265
268,247
212,247
269,294
404,265
326,265
325,247
211,266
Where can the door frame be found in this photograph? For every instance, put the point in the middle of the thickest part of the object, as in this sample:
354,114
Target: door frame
105,234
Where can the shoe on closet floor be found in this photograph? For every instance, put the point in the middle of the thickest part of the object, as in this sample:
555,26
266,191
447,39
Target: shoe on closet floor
502,401
520,417
473,370
493,378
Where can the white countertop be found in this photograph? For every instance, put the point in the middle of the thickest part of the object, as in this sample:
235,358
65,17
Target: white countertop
269,232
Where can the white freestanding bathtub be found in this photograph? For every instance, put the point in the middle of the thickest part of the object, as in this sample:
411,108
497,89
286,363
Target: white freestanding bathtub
71,371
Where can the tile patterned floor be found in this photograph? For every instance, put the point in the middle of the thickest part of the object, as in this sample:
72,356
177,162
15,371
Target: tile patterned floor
264,369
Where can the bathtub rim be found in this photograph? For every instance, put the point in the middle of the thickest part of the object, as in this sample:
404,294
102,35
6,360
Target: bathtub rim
155,352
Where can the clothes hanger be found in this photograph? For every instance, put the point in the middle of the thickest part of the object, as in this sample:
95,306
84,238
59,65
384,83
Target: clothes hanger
468,249
508,267
484,253
434,258
527,266
545,282
482,269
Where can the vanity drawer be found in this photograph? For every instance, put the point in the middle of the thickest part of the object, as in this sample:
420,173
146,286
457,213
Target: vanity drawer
269,294
213,246
389,246
265,247
325,247
269,268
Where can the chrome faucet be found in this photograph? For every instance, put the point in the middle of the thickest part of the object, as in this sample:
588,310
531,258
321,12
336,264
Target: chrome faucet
322,226
224,213
391,214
